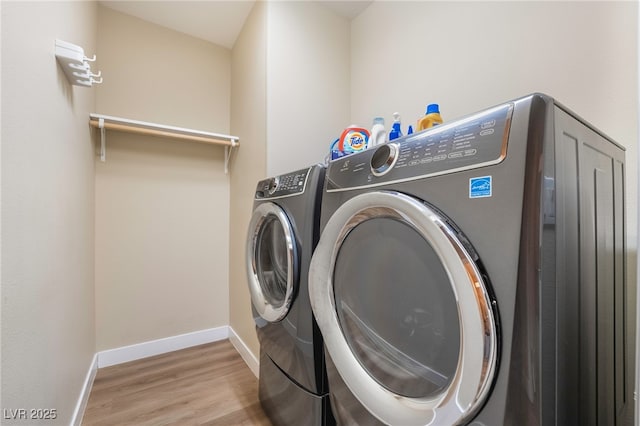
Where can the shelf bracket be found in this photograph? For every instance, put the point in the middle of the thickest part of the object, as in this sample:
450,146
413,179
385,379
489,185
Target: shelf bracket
103,140
227,155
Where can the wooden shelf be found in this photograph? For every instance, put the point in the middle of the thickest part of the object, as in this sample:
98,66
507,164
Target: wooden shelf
106,122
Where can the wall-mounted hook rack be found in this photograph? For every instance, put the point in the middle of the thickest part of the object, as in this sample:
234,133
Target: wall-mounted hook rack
76,65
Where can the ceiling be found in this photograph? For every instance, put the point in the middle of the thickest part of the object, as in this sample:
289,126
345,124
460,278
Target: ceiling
217,21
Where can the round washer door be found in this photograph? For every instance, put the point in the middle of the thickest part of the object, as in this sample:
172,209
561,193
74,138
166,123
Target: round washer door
404,311
272,261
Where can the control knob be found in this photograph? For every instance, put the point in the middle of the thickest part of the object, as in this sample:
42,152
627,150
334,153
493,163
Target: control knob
384,159
273,185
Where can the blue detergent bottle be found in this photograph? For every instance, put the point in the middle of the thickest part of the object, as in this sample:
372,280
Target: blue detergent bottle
396,129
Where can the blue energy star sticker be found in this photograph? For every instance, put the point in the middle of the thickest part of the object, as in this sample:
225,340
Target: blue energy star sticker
480,187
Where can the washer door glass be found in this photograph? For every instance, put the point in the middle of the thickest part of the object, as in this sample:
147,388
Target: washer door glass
271,261
271,254
404,310
397,308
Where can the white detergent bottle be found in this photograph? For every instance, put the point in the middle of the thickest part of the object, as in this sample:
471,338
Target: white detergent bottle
378,132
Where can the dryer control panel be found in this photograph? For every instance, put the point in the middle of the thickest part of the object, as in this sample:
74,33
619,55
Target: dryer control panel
475,141
293,183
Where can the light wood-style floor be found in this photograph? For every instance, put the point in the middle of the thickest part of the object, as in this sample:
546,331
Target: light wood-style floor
203,385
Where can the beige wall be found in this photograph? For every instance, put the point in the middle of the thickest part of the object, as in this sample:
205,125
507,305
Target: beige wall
308,87
47,210
162,206
583,53
248,121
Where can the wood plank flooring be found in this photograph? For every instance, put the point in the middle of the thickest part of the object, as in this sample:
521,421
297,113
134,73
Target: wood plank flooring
204,385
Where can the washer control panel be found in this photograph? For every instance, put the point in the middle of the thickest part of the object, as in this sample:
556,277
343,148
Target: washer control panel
475,141
284,185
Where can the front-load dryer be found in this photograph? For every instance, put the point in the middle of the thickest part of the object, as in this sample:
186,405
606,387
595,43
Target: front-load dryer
474,273
282,234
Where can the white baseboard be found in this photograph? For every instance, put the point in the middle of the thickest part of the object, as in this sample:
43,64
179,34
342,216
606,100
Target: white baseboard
156,347
249,358
161,346
81,405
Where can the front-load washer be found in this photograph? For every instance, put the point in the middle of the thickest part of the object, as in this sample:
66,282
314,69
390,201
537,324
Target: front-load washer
283,232
474,273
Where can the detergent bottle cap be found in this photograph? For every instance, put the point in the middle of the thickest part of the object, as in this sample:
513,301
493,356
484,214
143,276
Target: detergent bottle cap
378,120
396,117
431,108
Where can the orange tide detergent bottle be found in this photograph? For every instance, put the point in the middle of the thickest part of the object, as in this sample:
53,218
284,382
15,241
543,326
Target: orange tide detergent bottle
353,139
431,118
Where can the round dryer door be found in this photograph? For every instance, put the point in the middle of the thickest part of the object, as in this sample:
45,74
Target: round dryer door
404,311
271,261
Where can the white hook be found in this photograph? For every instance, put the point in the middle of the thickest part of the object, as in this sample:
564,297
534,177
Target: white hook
76,65
83,67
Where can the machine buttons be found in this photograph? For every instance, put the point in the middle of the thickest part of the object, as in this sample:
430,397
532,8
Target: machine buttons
291,183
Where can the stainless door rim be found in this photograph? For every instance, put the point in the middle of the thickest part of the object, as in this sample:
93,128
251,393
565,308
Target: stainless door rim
478,336
265,309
